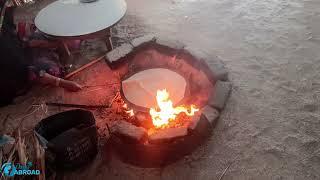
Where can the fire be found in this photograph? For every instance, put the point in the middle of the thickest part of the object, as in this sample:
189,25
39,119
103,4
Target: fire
129,112
166,111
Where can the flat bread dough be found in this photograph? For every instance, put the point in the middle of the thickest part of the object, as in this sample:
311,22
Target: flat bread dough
141,88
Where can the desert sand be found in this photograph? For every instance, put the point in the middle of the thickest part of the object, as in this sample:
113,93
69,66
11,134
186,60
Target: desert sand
270,128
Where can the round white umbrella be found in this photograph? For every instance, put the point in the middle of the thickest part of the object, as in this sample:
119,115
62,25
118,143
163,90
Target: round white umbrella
76,18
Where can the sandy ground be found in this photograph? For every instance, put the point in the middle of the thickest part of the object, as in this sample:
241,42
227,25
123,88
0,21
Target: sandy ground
270,128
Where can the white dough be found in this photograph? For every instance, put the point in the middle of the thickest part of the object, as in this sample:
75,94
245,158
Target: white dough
141,88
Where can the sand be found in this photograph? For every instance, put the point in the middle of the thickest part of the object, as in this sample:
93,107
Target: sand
270,128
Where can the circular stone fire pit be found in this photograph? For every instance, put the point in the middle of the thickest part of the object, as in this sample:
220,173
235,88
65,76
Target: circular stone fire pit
149,64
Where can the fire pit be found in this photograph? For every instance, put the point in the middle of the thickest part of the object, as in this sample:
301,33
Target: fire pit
172,98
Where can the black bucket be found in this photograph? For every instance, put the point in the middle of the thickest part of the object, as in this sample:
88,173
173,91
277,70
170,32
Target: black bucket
70,137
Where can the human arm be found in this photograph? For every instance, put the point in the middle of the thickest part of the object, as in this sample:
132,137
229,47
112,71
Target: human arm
46,78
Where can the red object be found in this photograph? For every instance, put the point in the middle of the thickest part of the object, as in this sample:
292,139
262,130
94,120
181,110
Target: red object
24,29
21,29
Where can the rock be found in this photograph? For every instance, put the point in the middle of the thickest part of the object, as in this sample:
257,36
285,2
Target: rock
199,125
143,120
167,135
172,43
202,124
220,95
119,52
194,122
211,64
218,70
143,39
196,52
128,132
210,114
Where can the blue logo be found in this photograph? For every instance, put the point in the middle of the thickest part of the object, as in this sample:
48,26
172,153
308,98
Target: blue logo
10,169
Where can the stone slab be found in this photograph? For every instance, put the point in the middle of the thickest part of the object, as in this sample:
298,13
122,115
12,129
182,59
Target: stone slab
219,72
194,122
214,66
172,43
210,114
199,125
129,132
167,135
143,120
119,52
220,95
143,39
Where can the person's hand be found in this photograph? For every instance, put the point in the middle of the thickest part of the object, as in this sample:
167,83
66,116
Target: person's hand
72,86
49,79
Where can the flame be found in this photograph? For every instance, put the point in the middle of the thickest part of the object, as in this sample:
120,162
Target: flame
166,111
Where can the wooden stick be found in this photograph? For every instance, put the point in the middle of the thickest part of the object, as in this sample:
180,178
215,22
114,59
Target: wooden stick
83,67
77,105
40,158
113,99
66,48
9,159
13,150
21,119
101,85
224,172
21,149
43,163
36,146
4,124
1,157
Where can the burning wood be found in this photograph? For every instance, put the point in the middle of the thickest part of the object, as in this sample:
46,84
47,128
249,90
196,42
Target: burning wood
165,112
21,147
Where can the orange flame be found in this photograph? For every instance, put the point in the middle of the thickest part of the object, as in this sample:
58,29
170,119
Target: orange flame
166,111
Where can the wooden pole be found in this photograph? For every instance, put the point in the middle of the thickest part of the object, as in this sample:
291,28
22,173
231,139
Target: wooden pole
77,105
83,67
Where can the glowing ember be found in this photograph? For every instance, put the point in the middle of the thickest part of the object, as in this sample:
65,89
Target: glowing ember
166,111
129,112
